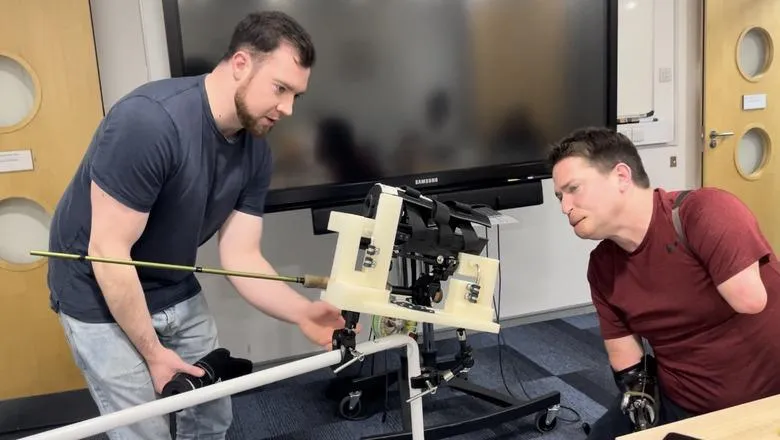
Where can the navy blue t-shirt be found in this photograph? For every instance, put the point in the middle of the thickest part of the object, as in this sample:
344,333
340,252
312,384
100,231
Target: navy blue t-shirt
158,150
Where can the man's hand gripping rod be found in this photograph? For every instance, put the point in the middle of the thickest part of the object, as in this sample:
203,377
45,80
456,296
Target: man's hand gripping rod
309,281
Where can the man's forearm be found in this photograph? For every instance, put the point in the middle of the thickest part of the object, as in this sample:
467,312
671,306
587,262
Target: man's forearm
624,352
125,298
274,298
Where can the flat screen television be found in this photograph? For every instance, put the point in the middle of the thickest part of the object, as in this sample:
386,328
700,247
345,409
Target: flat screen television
440,95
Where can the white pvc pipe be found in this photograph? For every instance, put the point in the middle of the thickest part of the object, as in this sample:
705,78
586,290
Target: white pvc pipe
218,390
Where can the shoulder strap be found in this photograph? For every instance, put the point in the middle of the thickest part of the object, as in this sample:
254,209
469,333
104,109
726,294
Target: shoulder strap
676,218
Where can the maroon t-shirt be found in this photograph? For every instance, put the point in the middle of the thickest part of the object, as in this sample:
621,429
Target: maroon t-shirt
710,357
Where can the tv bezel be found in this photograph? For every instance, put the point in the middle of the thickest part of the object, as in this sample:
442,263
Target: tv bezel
337,194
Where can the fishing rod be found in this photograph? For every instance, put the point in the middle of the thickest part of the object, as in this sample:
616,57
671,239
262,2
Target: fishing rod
308,281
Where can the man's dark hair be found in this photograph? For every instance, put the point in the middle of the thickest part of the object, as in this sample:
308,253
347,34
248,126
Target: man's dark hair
265,31
603,148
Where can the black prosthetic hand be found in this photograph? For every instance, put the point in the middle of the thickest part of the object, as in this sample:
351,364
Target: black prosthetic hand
217,365
641,400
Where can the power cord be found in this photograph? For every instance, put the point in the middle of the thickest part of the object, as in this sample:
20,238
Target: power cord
500,343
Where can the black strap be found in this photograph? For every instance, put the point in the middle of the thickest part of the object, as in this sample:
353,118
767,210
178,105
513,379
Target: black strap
416,222
678,221
471,244
441,216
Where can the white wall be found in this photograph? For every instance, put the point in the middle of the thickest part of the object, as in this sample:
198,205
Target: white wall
543,262
647,40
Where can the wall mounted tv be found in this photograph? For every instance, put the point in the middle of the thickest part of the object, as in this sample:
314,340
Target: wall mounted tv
441,95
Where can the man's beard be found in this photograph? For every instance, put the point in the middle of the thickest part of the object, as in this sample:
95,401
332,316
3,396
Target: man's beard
250,123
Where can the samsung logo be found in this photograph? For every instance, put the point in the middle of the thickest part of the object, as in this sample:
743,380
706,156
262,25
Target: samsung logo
426,181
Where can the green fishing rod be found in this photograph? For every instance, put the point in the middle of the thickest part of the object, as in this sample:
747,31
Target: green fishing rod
308,281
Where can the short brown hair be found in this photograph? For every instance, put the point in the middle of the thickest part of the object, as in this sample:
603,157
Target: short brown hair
264,32
603,148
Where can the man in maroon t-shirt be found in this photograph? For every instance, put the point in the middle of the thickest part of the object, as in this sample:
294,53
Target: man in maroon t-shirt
707,302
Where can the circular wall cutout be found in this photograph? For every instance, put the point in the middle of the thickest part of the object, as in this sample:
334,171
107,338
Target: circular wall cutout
18,89
24,227
754,52
752,152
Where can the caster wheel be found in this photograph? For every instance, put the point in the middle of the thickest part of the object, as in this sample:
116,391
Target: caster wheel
586,428
353,411
542,425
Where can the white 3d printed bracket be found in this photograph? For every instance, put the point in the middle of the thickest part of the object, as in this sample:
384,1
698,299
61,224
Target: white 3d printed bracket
359,277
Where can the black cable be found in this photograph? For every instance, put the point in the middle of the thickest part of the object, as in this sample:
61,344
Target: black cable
500,342
387,389
403,275
371,337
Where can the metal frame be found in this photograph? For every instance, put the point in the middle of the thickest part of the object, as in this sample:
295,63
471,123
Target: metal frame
175,403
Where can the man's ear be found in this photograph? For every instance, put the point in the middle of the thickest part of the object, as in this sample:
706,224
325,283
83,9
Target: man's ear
241,63
623,173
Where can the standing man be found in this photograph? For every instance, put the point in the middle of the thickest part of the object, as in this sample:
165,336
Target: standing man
173,163
706,300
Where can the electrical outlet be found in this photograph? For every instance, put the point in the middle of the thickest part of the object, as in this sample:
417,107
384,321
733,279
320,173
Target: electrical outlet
637,135
673,162
664,74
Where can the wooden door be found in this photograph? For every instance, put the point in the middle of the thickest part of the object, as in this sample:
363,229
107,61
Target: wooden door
52,41
742,105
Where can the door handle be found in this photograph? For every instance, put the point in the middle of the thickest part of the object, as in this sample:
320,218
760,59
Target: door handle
714,135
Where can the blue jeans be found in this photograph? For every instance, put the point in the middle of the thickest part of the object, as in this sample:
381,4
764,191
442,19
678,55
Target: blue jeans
118,378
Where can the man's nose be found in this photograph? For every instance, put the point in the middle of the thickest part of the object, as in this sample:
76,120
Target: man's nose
566,205
286,106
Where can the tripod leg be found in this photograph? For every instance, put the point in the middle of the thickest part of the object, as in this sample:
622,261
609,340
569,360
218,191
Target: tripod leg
482,393
428,350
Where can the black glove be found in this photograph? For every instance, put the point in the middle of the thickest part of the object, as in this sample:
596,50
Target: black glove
641,398
217,365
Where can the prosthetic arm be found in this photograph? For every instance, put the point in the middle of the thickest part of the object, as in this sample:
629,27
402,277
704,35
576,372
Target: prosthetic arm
641,399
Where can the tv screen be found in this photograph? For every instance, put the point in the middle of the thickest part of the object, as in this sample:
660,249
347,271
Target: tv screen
436,94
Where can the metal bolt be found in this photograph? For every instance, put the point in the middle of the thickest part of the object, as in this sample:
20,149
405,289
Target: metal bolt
472,293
